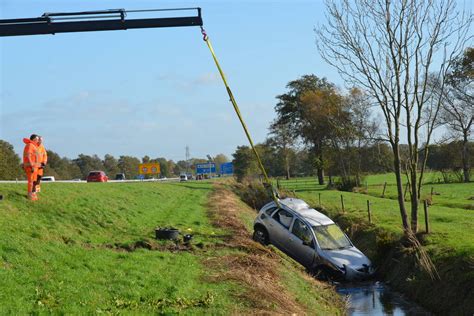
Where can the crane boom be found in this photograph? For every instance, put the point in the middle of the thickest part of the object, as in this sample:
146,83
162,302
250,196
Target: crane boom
88,21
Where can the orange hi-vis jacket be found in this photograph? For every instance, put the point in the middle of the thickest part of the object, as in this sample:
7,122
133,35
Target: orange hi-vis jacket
43,156
30,154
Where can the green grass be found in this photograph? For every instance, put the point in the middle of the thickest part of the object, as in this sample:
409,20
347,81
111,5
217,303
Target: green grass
453,195
451,214
451,227
54,255
66,253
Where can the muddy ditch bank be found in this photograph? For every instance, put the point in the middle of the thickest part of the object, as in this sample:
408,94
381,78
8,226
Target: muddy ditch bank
397,265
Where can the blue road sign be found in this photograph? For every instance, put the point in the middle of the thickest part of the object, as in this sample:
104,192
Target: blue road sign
205,168
227,168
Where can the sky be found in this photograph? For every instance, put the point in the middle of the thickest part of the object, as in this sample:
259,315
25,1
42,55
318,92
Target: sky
154,91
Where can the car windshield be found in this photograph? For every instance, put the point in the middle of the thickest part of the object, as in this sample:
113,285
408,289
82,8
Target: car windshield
93,174
331,237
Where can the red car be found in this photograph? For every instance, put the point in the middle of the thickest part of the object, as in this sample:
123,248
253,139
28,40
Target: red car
97,176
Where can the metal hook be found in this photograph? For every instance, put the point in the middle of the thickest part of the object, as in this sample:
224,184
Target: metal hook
204,34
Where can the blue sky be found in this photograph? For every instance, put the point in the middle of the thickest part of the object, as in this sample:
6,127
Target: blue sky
154,91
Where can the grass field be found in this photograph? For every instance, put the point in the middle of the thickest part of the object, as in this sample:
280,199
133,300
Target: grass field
451,214
90,248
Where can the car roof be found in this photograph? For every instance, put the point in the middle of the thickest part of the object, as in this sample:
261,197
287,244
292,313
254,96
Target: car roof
302,208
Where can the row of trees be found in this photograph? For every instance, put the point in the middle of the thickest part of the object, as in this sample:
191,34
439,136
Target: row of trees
64,168
373,157
291,162
447,159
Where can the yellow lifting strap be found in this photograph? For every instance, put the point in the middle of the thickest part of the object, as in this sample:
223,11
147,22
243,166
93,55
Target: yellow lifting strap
239,115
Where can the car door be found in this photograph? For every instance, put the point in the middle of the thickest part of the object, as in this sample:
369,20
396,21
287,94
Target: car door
301,244
279,233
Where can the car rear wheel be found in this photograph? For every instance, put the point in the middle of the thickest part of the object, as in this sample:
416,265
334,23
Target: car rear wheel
260,235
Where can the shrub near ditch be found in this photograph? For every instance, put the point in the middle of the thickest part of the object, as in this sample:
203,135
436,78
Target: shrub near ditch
253,193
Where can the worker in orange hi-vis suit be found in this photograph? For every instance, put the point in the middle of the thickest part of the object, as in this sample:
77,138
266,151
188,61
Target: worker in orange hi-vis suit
31,163
43,160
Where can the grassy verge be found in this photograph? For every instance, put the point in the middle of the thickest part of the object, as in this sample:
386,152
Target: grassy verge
90,248
85,248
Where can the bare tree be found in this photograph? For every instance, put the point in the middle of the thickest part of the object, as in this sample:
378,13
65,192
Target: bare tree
457,111
389,47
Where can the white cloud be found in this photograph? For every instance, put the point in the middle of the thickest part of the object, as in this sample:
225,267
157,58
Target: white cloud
207,78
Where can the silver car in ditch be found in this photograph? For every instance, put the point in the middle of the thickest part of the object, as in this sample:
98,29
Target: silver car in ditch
312,239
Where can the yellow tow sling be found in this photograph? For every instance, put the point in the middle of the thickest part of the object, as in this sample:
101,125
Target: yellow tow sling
268,184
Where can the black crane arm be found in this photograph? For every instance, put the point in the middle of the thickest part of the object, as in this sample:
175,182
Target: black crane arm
88,21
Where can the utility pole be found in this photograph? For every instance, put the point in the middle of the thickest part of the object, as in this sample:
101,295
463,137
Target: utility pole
187,159
209,163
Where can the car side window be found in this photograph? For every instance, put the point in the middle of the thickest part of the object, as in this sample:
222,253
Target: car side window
302,231
270,211
283,217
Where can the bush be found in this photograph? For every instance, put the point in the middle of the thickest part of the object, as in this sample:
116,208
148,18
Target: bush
348,183
253,193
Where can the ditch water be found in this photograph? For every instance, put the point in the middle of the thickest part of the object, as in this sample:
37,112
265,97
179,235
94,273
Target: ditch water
376,298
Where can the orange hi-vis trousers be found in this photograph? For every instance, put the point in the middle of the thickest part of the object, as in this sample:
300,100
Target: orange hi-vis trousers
31,178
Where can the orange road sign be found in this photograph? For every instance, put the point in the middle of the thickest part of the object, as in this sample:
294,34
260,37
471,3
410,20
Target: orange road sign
149,168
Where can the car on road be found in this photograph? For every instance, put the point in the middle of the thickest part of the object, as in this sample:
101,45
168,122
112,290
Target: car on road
312,239
183,177
48,178
120,176
97,176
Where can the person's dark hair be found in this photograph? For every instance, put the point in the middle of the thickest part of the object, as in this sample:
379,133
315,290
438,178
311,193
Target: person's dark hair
33,136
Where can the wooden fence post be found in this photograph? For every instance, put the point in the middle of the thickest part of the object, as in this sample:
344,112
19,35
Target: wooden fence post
406,190
278,184
384,187
368,211
342,203
319,194
427,224
432,193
